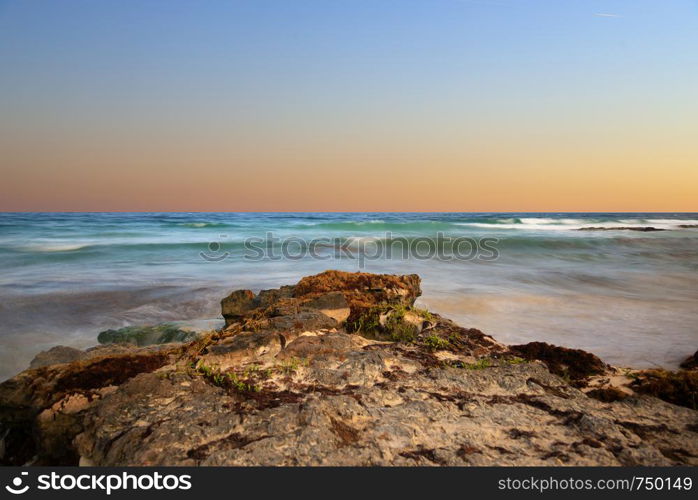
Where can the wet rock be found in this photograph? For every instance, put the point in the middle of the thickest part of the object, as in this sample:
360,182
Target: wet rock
622,228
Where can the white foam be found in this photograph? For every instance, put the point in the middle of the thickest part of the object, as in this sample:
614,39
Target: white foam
355,240
550,224
545,226
54,247
200,224
671,223
539,220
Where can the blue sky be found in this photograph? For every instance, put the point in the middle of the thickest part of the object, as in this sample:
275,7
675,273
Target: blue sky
91,85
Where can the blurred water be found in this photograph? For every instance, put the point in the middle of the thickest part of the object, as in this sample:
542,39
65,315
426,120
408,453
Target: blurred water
628,296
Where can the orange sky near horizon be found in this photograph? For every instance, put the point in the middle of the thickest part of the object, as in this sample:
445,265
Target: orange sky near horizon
550,167
357,177
397,186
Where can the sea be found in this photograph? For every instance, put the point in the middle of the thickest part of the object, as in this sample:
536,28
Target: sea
627,295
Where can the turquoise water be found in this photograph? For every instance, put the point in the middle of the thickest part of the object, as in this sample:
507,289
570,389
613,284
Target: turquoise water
628,296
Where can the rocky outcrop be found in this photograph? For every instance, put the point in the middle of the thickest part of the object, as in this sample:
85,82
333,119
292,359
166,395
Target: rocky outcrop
340,369
237,304
362,290
335,294
42,409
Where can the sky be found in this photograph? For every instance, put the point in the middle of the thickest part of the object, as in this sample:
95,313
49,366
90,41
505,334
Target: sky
352,105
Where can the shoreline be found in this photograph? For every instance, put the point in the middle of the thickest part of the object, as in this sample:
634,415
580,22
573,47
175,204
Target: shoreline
626,295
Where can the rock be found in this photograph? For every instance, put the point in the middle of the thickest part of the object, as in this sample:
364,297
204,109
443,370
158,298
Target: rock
313,346
691,362
679,388
236,304
268,297
336,294
362,290
304,319
344,404
329,301
56,355
622,228
41,409
608,394
245,345
285,383
164,333
331,304
573,364
386,323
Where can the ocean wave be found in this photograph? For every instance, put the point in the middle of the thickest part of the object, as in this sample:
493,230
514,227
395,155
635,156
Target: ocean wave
197,225
539,220
540,226
104,250
672,222
550,224
376,225
54,247
526,223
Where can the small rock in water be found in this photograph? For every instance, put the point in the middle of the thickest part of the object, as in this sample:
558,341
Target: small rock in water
147,335
643,229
